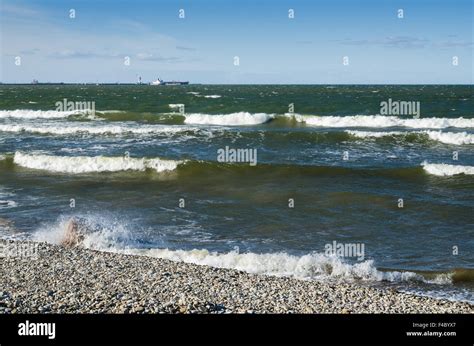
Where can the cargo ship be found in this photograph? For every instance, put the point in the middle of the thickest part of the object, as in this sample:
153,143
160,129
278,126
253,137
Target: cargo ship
173,82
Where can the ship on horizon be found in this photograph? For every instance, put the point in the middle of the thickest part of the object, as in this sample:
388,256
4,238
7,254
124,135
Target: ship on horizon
173,82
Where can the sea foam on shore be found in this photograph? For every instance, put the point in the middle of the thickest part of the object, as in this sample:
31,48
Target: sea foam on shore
78,280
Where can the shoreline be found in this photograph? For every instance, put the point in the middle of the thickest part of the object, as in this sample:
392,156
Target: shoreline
79,280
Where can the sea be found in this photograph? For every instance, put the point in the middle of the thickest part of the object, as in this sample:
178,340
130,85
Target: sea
285,180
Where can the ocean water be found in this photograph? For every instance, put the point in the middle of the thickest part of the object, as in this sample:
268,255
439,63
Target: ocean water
147,179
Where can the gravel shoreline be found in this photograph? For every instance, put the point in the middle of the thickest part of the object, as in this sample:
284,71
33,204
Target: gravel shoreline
77,280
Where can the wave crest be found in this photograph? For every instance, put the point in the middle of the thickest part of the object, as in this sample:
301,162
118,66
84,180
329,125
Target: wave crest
35,114
380,121
67,129
457,138
443,169
232,119
108,234
91,164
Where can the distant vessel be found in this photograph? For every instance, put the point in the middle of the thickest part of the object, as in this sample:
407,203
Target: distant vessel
173,82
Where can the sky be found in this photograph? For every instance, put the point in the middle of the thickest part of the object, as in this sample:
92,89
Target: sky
238,42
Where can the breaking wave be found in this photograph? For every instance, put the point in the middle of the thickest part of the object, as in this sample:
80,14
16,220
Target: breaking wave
233,119
66,129
106,234
32,114
91,164
380,121
310,266
96,164
457,138
443,169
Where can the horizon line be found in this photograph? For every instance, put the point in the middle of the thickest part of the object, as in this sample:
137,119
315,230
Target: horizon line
190,84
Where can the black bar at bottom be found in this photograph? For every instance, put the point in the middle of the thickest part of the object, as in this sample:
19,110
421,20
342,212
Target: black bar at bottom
239,329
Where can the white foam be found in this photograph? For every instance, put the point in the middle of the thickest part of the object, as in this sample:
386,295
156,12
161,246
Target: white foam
315,266
108,111
68,129
5,198
232,119
88,164
175,105
457,138
443,169
441,279
109,234
310,266
106,231
6,204
380,121
373,134
32,114
212,96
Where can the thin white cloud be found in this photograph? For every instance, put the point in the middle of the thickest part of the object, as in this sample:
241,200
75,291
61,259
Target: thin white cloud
189,49
19,11
390,41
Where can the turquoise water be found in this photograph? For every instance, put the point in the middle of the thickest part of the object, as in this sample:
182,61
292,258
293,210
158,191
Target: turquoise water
330,169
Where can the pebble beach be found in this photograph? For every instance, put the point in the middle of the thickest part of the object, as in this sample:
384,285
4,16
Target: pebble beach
79,280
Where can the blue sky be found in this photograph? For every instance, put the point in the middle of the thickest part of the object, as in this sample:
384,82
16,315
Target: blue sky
271,47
